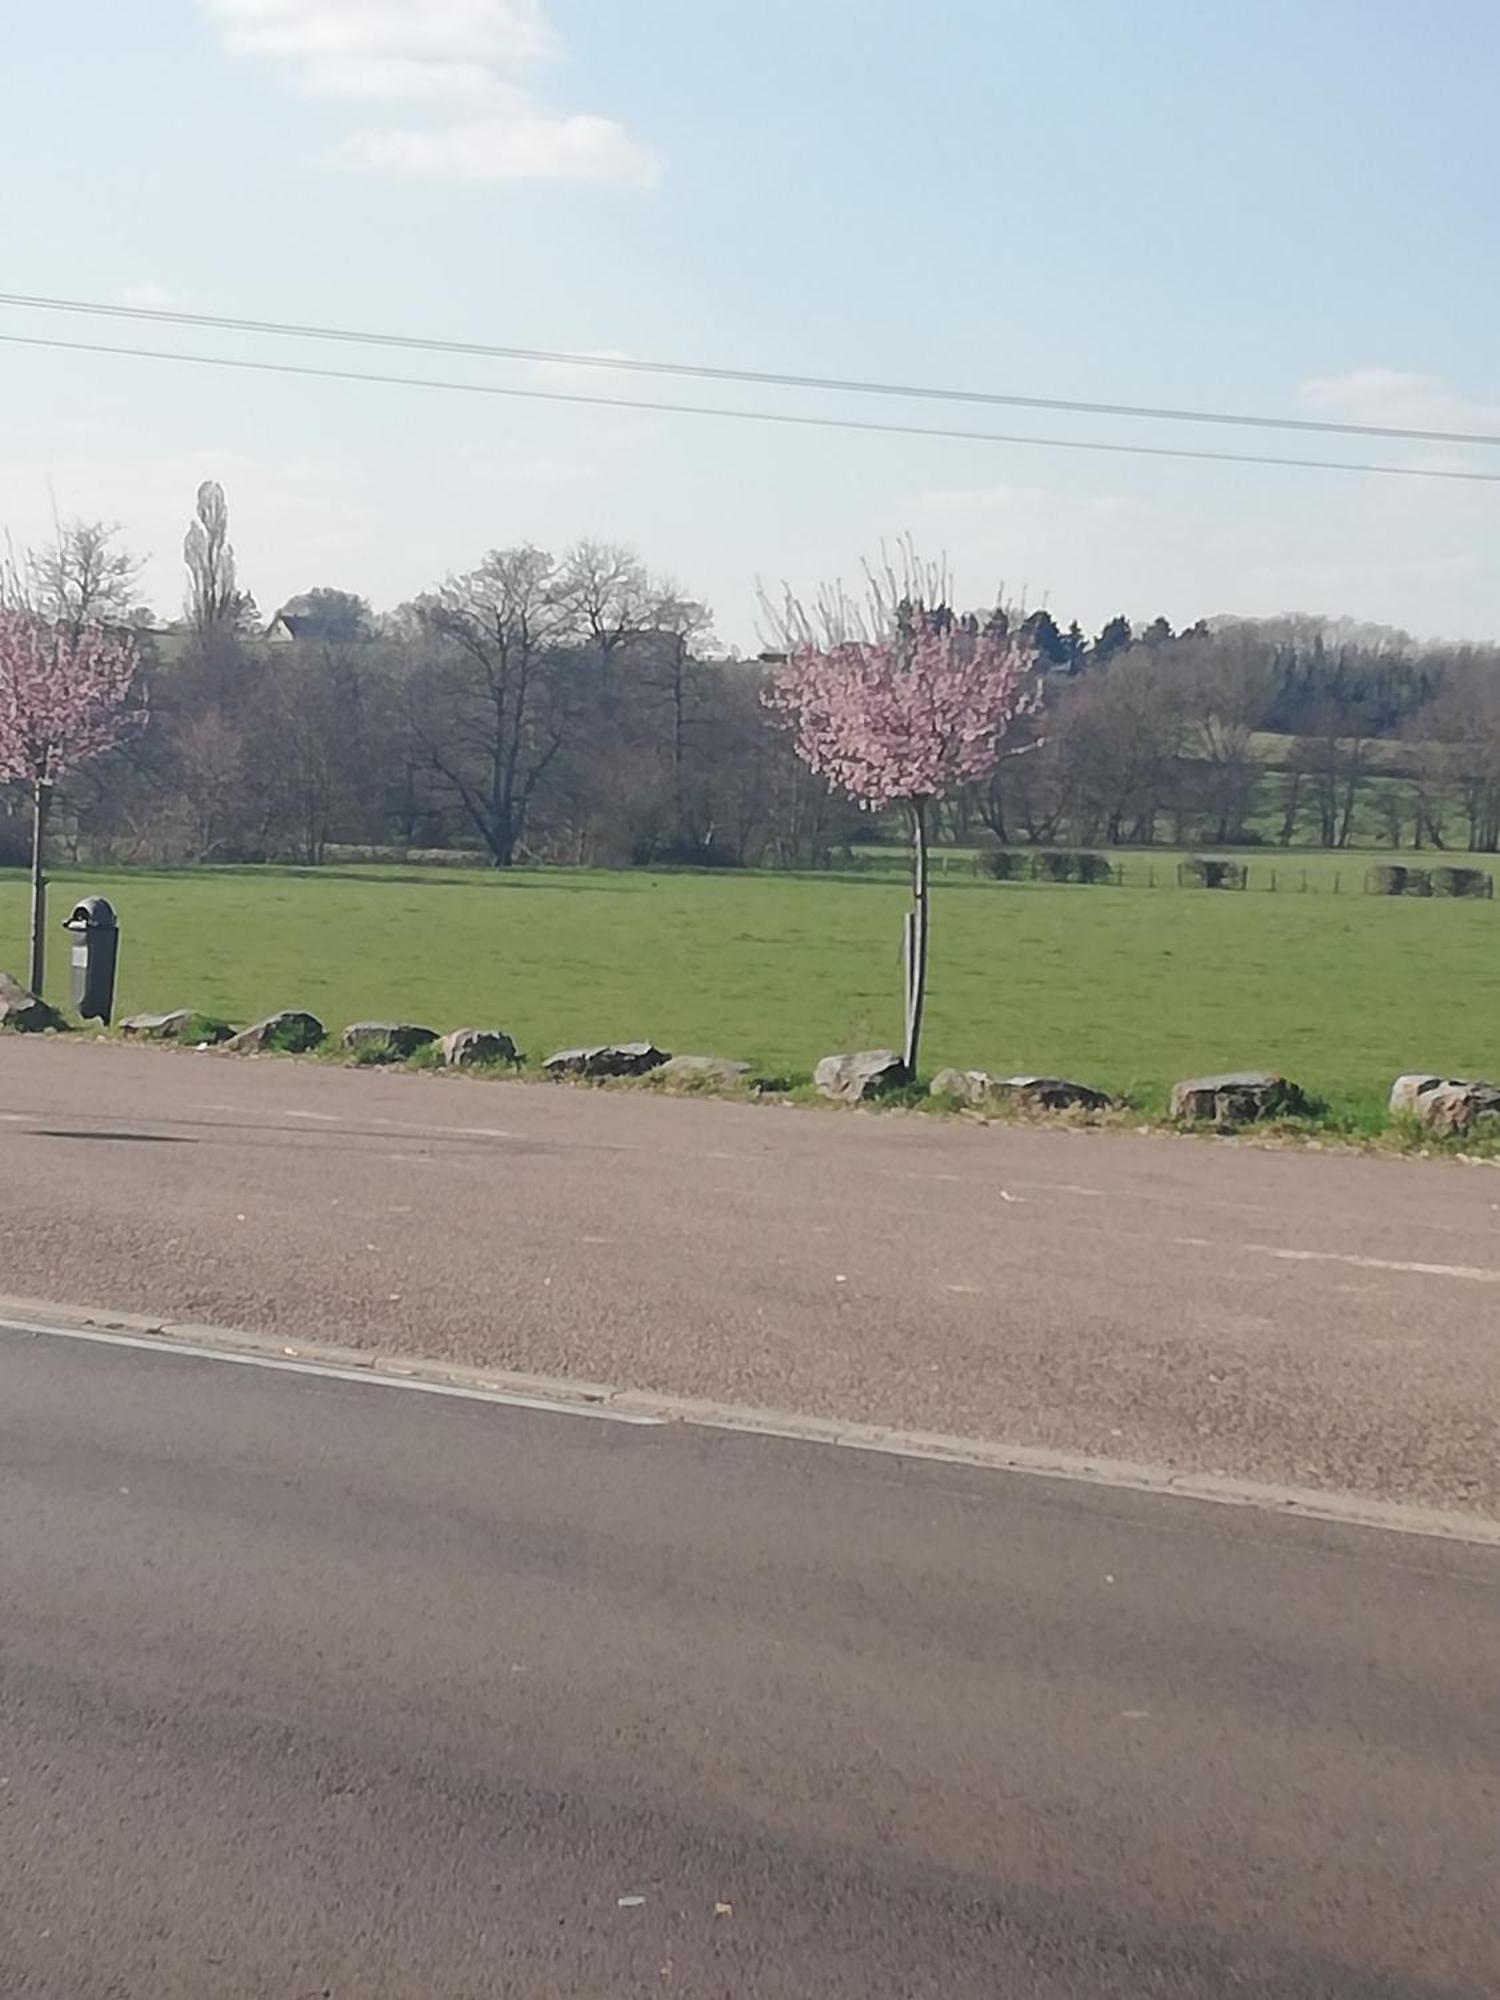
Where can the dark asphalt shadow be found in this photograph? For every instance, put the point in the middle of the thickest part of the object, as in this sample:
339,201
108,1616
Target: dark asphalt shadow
128,1138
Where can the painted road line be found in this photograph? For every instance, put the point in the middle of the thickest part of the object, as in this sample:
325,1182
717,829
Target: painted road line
1474,1273
290,1364
646,1407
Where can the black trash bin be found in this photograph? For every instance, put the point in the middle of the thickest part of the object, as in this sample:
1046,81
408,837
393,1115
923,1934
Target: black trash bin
95,954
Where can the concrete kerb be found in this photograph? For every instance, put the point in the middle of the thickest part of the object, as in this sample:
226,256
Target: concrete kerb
42,1318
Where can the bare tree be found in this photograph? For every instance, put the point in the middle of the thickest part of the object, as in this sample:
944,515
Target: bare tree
1228,685
679,627
83,577
215,602
1457,756
1124,734
609,598
500,683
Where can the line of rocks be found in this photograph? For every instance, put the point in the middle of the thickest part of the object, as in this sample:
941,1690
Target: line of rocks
293,1031
1446,1106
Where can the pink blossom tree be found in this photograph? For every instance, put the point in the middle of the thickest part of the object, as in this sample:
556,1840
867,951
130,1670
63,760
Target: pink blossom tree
919,703
66,697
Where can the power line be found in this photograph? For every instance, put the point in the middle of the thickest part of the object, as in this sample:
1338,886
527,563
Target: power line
786,417
762,378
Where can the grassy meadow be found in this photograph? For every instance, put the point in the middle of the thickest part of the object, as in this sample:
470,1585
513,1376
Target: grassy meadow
1125,988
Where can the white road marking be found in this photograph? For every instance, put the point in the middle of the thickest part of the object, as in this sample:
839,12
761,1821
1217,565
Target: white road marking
1475,1273
650,1408
1065,1187
355,1124
164,1344
443,1131
925,1174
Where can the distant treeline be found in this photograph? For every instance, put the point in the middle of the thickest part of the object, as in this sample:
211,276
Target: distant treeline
575,709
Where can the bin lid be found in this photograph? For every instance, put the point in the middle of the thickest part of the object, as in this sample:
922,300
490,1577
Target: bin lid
92,913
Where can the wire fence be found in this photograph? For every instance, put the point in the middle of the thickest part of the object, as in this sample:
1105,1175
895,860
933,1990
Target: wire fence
1213,873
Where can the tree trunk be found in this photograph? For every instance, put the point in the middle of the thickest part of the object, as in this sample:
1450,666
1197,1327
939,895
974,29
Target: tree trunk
679,730
1292,800
916,934
40,800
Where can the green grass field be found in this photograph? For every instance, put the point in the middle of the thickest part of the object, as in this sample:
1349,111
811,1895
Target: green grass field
1124,988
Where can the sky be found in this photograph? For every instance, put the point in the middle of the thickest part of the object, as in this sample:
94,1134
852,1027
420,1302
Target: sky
1284,207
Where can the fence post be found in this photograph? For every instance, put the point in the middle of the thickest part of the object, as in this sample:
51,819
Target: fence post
1273,881
1150,874
1335,881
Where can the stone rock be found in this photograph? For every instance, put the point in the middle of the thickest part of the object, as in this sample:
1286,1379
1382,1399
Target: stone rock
1406,1092
156,1027
705,1072
470,1048
288,1032
607,1059
959,1083
1447,1105
976,1088
384,1041
855,1078
22,1010
1052,1093
1238,1098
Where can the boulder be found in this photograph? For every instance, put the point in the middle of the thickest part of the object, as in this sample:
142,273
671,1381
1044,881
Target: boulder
288,1032
22,1010
1406,1091
977,1088
701,1073
607,1059
384,1041
1240,1097
858,1077
1446,1105
472,1048
156,1027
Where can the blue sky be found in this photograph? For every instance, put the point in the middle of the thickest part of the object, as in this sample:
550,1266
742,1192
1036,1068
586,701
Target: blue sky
1286,208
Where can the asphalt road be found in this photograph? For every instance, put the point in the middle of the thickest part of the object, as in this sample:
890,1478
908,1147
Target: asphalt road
1311,1318
316,1688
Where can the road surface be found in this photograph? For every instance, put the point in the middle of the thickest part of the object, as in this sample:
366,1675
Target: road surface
1314,1319
317,1688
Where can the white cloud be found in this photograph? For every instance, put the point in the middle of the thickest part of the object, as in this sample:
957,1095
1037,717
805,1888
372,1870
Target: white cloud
462,58
1399,398
322,36
523,145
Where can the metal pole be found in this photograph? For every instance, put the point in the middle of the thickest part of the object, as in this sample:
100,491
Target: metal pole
917,938
39,802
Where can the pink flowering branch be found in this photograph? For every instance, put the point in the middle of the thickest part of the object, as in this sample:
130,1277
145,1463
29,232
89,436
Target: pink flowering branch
909,717
65,698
